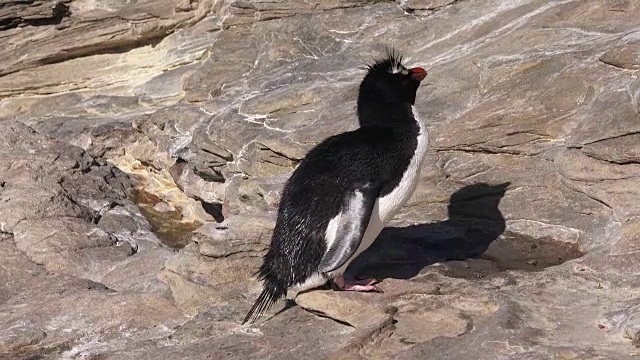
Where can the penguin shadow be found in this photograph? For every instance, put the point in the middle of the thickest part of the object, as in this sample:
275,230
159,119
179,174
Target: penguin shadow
402,252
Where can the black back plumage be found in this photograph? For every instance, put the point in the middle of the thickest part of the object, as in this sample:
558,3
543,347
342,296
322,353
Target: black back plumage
377,153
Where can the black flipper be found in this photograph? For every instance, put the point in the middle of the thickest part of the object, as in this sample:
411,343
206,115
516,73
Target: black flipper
356,213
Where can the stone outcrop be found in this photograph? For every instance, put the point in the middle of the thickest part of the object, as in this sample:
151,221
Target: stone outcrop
144,146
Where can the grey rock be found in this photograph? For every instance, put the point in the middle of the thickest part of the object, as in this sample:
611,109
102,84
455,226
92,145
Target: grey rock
105,27
18,337
23,13
140,273
521,240
237,235
418,5
67,246
626,56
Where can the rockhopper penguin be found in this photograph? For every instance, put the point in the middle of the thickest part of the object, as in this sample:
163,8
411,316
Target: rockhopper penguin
347,188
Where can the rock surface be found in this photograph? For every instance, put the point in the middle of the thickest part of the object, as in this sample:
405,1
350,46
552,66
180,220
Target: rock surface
144,145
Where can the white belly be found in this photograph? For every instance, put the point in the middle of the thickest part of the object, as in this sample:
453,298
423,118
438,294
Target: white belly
387,206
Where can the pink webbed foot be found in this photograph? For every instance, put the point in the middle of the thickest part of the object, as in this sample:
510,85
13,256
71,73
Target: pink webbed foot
365,285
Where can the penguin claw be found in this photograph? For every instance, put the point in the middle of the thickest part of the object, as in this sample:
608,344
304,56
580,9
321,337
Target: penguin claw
362,288
369,281
364,285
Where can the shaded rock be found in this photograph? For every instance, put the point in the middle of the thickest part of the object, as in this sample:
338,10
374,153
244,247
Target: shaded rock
532,246
37,13
420,5
520,241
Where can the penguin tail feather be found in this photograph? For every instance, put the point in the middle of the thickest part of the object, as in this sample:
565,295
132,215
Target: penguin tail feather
267,298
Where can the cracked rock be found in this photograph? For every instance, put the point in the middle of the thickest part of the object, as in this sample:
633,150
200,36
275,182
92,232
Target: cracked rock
520,242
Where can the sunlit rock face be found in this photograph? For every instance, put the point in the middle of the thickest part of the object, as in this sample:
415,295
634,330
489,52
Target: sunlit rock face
144,146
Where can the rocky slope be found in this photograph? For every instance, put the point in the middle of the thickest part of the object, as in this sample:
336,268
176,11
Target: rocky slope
144,145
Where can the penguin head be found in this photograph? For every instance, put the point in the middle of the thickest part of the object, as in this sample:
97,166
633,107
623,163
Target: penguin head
389,81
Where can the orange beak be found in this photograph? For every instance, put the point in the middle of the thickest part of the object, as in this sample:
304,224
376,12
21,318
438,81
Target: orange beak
418,73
